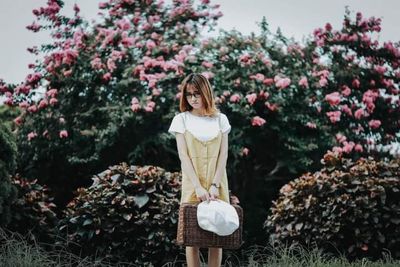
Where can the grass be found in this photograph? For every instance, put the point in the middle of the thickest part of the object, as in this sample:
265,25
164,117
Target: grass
258,256
16,252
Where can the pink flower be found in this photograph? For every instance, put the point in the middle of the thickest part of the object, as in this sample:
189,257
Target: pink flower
334,116
111,65
123,24
270,106
268,81
34,27
245,151
43,103
259,77
219,100
369,98
303,82
374,124
18,120
208,74
328,27
67,73
31,135
346,91
63,134
345,108
380,69
263,95
226,93
356,83
150,106
348,146
76,8
106,77
245,58
311,125
358,148
251,98
127,41
234,98
257,121
53,101
155,91
103,5
135,106
323,82
97,64
33,78
359,113
333,98
150,44
282,83
23,104
340,138
207,64
337,149
52,92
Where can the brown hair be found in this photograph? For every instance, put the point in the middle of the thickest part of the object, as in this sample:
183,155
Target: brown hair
201,83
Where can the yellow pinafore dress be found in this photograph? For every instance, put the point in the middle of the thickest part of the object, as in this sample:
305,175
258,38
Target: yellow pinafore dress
204,156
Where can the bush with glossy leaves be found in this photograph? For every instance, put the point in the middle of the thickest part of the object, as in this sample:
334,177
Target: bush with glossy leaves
33,212
128,213
351,207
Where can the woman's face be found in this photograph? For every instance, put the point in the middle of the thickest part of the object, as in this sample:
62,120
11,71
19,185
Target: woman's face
193,97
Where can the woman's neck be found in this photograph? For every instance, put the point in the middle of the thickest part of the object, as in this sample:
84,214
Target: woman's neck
197,112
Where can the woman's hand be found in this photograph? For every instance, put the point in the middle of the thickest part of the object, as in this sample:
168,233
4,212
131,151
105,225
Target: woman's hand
214,192
202,193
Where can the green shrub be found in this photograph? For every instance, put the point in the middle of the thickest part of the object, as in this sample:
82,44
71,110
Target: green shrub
128,213
33,213
352,205
8,154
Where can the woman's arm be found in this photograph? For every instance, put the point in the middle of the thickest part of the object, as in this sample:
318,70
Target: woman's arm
187,167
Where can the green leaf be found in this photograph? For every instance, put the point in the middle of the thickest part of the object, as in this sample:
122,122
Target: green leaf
395,220
141,200
87,222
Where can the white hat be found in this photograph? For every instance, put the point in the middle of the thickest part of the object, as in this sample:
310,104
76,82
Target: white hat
217,216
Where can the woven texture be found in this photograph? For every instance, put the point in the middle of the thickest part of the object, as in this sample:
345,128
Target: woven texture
190,234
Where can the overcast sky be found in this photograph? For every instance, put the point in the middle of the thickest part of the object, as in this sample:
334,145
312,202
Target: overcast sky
295,18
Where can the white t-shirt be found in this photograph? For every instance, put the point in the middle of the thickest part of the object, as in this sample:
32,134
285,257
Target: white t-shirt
203,128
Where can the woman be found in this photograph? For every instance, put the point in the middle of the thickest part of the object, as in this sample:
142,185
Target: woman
201,133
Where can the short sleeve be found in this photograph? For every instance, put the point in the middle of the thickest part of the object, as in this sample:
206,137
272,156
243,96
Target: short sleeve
177,125
225,125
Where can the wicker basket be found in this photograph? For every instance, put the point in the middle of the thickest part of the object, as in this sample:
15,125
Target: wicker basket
190,234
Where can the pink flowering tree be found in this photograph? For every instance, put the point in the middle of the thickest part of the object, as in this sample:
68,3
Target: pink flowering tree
104,93
356,83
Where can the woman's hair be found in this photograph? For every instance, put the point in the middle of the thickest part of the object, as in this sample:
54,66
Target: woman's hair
201,83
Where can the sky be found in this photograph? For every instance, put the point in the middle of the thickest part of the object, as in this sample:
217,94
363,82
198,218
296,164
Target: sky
295,18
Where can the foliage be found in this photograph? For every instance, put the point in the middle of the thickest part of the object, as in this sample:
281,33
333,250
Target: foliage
33,212
128,213
8,154
349,206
